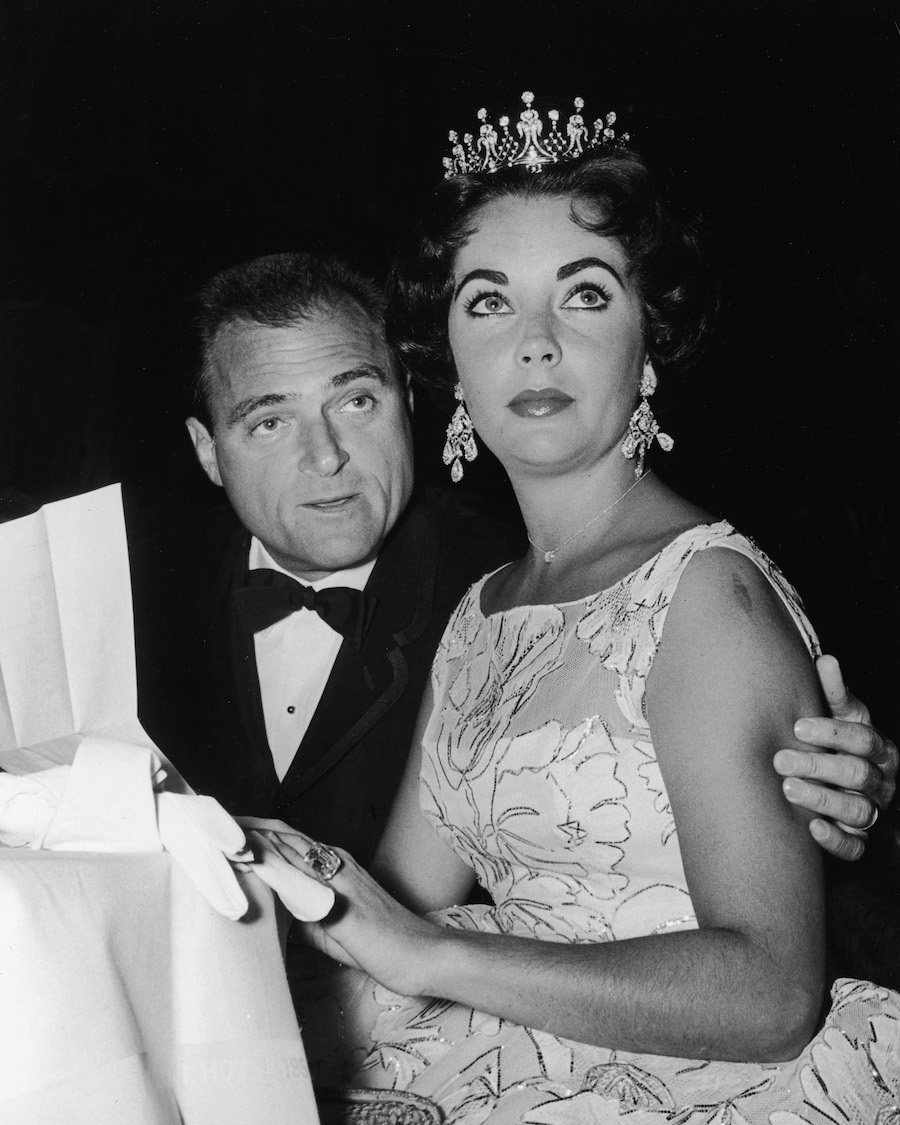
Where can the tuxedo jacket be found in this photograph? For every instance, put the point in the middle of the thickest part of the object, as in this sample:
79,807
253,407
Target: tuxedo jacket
199,694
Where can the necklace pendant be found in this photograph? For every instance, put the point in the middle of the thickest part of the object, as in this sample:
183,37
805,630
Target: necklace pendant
549,556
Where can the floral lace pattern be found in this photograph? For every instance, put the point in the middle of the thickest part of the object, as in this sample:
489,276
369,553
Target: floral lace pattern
540,772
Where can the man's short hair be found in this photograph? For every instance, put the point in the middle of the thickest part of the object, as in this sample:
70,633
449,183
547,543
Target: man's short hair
275,291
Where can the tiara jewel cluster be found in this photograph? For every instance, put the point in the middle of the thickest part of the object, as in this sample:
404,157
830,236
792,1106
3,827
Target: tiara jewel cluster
533,144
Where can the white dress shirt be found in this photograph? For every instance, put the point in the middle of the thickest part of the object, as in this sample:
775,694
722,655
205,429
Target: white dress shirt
294,658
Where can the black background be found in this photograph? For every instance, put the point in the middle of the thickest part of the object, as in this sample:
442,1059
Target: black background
146,145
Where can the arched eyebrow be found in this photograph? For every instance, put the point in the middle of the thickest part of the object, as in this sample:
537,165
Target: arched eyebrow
572,268
493,276
566,271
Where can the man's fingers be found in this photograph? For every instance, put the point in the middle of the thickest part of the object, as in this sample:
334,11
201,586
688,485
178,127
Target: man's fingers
850,809
847,737
842,703
843,770
840,844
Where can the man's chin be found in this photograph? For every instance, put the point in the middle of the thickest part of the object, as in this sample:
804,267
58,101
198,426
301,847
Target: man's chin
311,567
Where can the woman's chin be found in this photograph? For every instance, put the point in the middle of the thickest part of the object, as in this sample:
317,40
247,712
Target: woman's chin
544,458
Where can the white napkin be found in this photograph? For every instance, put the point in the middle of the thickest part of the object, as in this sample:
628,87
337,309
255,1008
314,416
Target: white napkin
110,799
28,804
105,801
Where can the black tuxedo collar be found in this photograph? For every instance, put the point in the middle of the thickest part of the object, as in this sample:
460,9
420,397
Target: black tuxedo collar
242,699
365,683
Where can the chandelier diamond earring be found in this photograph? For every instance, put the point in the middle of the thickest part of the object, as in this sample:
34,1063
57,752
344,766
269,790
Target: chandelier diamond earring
460,439
643,428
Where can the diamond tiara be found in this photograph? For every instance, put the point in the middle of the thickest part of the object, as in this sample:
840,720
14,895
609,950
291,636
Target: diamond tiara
490,150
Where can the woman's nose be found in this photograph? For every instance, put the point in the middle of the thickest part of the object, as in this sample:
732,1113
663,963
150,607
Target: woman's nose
322,454
538,345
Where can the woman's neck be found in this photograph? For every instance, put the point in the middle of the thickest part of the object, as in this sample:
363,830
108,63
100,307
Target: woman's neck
560,509
600,536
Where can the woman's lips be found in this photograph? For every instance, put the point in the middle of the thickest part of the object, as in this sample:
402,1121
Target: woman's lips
539,404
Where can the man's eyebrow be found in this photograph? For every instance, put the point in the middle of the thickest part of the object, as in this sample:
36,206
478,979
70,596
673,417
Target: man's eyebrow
259,402
494,276
246,406
572,268
361,371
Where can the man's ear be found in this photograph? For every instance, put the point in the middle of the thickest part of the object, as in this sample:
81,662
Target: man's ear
205,448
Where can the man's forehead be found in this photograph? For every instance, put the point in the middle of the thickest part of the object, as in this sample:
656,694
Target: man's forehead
324,341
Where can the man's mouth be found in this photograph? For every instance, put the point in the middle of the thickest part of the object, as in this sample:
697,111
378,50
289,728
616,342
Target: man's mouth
333,504
541,403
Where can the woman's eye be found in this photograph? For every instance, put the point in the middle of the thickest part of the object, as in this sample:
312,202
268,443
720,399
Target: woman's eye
587,297
487,304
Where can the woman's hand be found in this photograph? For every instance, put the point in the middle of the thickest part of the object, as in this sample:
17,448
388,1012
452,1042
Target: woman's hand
847,788
367,928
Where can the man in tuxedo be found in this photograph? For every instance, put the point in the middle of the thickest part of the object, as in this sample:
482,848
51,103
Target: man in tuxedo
300,704
304,420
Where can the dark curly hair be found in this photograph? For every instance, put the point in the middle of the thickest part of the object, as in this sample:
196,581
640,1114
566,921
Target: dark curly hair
613,194
275,291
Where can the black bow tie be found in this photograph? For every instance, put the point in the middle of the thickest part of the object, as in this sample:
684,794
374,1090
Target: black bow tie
270,596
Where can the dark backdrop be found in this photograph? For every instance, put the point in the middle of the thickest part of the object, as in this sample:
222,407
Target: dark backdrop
147,144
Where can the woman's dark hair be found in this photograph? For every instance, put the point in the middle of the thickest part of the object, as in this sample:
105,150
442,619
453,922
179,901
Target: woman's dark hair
613,194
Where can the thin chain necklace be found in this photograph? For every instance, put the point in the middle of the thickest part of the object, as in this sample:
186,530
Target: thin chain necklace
549,556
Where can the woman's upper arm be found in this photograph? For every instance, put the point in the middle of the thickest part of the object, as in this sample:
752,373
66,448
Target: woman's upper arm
731,676
412,862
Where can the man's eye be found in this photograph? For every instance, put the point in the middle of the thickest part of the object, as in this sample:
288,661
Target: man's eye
362,401
266,426
486,304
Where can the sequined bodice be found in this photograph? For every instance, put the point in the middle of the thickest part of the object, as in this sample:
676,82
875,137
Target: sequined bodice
540,769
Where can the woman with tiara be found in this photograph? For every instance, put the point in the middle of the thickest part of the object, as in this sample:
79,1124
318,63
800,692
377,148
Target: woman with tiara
595,749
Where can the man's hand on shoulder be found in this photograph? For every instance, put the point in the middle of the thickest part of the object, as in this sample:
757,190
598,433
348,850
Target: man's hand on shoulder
849,786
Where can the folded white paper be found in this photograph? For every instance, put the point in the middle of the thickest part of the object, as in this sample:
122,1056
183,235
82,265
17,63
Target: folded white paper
66,632
88,774
82,774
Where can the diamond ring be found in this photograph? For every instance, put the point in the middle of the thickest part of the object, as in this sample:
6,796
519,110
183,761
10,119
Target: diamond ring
324,861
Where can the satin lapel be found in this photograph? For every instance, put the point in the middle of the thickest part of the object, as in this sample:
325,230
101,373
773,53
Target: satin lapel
365,683
234,658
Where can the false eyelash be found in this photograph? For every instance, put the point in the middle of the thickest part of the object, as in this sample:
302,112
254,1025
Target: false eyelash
472,301
593,285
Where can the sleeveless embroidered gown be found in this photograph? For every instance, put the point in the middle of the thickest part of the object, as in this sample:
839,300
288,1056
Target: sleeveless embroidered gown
539,771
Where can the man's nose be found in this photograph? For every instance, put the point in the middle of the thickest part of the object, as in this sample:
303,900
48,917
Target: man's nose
322,454
538,344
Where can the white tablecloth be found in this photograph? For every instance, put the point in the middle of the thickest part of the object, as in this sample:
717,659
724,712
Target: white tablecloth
125,999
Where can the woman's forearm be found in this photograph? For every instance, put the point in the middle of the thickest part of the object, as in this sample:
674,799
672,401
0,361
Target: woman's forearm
698,994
